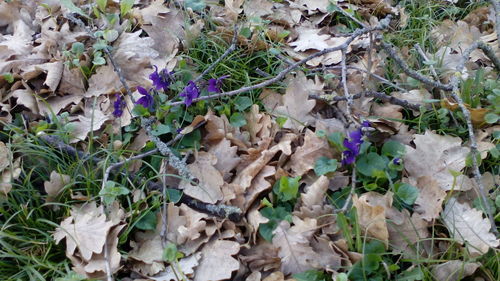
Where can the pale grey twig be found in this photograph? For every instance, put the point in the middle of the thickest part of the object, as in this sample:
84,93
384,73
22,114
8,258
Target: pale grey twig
378,95
472,138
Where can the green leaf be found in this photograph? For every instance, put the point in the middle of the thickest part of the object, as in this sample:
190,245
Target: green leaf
8,77
311,275
77,48
281,121
491,118
369,164
161,129
174,195
102,4
406,193
126,6
288,188
110,35
337,139
412,275
393,148
325,165
68,4
99,61
237,120
170,253
111,191
246,32
195,5
147,222
266,229
140,110
242,103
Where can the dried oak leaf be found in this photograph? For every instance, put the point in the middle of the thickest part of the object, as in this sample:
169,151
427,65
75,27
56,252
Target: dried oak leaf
55,184
435,156
315,193
86,230
296,103
296,253
406,232
467,225
146,253
306,155
184,268
454,270
210,179
227,158
217,262
371,208
430,198
91,121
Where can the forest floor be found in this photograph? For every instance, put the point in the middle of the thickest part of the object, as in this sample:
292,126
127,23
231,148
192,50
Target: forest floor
249,140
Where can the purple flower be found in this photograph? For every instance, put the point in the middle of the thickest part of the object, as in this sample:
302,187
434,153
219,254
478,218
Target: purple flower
147,100
162,79
396,161
353,145
215,84
189,93
119,104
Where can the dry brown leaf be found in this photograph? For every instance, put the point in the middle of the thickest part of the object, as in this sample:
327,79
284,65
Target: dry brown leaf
259,185
147,251
467,225
85,230
371,208
257,8
5,156
91,121
9,174
210,179
407,232
435,156
217,262
309,38
430,198
315,193
183,269
227,158
296,103
104,81
55,185
304,158
454,270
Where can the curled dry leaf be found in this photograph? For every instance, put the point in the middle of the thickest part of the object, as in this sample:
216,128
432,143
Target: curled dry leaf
371,208
315,193
408,231
437,157
467,225
227,158
146,253
55,184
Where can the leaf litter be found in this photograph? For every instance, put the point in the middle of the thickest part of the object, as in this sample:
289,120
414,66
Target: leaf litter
243,166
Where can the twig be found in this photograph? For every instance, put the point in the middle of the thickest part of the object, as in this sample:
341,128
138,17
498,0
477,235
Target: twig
344,85
472,138
378,77
412,73
382,25
488,51
496,8
231,48
424,56
378,95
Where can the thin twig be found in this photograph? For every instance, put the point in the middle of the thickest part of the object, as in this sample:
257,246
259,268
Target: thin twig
379,95
496,8
412,73
424,56
382,25
378,77
231,48
344,85
472,138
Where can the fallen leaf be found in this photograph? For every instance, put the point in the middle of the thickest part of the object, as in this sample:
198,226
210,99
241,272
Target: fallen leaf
227,158
217,262
430,198
55,184
183,269
467,225
454,270
371,208
435,156
304,158
407,232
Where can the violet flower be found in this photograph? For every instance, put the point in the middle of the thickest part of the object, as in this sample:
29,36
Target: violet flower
215,84
162,79
146,100
119,105
189,93
396,161
353,144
